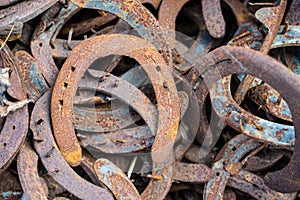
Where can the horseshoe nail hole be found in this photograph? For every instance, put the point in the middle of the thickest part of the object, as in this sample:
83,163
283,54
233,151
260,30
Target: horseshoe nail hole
61,102
4,144
65,84
234,149
14,127
73,68
218,174
40,121
165,84
158,68
40,44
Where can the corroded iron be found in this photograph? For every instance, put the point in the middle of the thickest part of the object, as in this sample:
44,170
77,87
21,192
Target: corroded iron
254,186
115,180
170,114
76,65
228,164
51,22
52,159
20,13
213,18
138,17
32,81
274,69
28,173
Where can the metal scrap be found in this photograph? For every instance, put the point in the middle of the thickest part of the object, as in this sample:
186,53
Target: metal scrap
140,99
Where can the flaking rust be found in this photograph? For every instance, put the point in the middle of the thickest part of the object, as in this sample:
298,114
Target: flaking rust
138,17
267,16
142,107
246,122
119,88
46,32
52,159
228,163
21,13
15,128
32,81
28,173
75,67
115,179
213,17
288,89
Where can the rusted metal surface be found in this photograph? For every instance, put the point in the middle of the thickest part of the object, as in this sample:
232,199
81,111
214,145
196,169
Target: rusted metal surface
154,3
191,172
32,81
263,94
204,135
267,16
213,18
254,186
87,164
137,17
134,99
52,159
50,24
69,78
22,12
182,57
28,173
8,2
15,87
287,36
61,49
273,68
258,122
269,99
228,164
168,12
130,139
12,136
169,9
122,141
247,35
119,88
103,120
246,122
158,188
115,179
256,163
82,28
10,195
293,13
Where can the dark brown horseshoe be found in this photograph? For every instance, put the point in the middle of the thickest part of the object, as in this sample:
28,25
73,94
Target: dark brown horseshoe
52,159
28,173
287,85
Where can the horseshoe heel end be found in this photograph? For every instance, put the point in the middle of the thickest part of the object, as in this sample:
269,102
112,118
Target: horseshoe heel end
73,157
